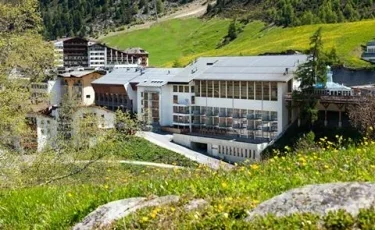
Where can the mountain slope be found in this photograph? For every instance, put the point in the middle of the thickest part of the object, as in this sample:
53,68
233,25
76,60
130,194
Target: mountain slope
191,38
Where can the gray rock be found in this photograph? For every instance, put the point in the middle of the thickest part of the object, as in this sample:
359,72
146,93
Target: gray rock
319,199
195,204
106,214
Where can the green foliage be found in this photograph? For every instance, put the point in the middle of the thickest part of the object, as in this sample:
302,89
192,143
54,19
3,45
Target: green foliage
24,56
339,220
297,12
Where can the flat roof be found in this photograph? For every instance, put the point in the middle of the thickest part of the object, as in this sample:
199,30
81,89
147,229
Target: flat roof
242,68
140,76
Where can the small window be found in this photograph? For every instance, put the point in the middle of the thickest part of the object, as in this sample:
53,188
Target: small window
186,89
181,89
192,89
175,99
175,89
88,96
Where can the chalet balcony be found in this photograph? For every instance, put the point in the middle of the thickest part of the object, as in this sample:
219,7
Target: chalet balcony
252,117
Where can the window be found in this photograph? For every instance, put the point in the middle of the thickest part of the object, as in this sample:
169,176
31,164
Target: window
258,90
142,94
229,89
192,89
186,89
181,89
236,89
203,89
243,90
266,91
88,96
223,89
198,88
216,89
274,91
192,100
250,90
209,88
175,99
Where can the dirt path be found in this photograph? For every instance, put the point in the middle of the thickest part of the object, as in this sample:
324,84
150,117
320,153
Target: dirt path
194,9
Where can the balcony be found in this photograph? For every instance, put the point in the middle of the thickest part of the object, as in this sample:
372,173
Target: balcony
253,128
270,119
223,125
197,113
224,115
239,126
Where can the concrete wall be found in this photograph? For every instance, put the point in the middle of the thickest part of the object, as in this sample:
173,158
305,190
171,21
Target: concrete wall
46,131
54,91
228,150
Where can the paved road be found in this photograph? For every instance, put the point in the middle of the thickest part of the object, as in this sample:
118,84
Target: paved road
164,140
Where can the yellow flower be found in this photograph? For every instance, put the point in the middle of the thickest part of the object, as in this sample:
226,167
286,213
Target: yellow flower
70,195
224,185
255,201
153,215
145,218
173,209
220,208
326,166
108,170
106,186
254,166
372,166
226,215
107,178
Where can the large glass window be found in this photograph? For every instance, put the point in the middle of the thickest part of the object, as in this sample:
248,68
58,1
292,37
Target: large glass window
203,89
181,89
186,89
258,90
250,90
216,89
229,89
175,89
274,91
209,88
266,91
236,89
175,99
198,88
223,89
243,90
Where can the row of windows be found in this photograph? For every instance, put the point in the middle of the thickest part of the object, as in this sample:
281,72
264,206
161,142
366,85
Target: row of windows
248,90
182,89
237,152
235,113
181,109
181,119
114,98
150,96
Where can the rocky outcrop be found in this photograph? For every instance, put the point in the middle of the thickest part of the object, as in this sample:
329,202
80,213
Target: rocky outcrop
195,204
319,199
106,214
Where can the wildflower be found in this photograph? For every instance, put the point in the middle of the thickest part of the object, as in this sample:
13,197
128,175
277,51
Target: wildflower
108,170
173,209
255,201
254,166
372,166
106,186
70,195
371,128
220,208
145,219
107,178
224,185
226,215
326,166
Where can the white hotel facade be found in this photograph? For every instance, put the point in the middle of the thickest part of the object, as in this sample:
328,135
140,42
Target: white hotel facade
229,107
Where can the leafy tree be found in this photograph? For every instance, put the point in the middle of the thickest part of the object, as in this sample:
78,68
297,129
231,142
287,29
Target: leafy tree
159,7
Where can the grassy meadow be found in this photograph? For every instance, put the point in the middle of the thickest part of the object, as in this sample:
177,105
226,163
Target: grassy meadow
230,194
187,39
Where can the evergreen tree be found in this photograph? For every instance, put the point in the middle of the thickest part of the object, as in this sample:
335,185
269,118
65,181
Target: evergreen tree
232,31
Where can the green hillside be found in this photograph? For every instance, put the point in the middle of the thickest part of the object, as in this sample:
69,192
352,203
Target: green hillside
191,38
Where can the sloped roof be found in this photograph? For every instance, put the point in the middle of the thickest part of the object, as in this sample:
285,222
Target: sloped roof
80,74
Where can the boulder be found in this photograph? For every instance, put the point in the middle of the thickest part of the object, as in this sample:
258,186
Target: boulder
106,214
319,199
195,204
